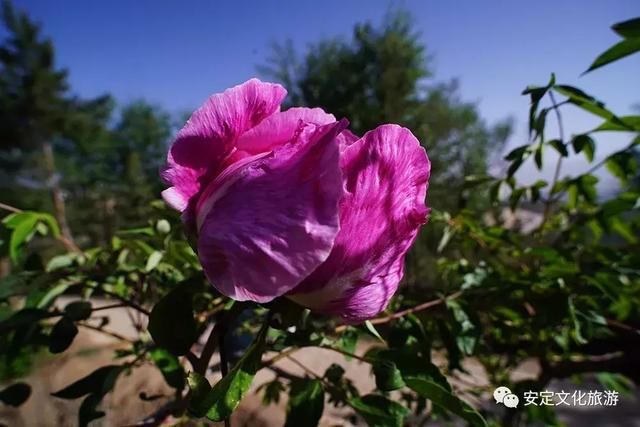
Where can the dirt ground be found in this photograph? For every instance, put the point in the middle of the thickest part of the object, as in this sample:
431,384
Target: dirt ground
92,349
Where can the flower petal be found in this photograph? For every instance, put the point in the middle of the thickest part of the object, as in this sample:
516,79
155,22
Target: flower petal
280,128
209,136
275,219
385,174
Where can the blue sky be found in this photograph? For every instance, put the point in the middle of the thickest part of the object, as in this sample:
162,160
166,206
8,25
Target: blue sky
175,53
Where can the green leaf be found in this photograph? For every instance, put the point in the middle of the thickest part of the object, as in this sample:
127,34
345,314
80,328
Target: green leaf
584,143
628,29
622,165
513,168
372,330
517,153
559,146
446,400
25,223
537,155
623,123
199,387
585,101
171,323
587,188
617,382
388,376
78,310
447,234
379,411
617,51
577,329
225,396
412,366
169,366
62,335
515,197
60,261
306,403
622,228
348,341
16,394
51,223
471,181
153,260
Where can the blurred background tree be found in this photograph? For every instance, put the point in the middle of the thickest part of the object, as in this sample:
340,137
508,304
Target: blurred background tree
74,149
384,75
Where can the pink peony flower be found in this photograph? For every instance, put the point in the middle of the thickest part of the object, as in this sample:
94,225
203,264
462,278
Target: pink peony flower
292,203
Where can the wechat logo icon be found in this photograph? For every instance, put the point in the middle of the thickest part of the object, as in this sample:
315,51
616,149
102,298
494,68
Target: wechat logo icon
503,395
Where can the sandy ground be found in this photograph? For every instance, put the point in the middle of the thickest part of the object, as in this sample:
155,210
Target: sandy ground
123,407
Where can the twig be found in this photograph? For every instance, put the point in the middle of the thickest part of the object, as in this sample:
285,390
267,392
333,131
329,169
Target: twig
208,350
121,299
279,356
9,208
346,353
109,307
402,313
193,360
304,368
104,331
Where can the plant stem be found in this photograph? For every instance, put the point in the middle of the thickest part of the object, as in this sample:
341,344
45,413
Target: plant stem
403,313
224,361
556,173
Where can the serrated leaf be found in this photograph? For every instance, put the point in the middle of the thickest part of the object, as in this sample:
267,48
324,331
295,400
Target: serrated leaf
306,403
171,323
616,52
15,394
379,411
446,400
